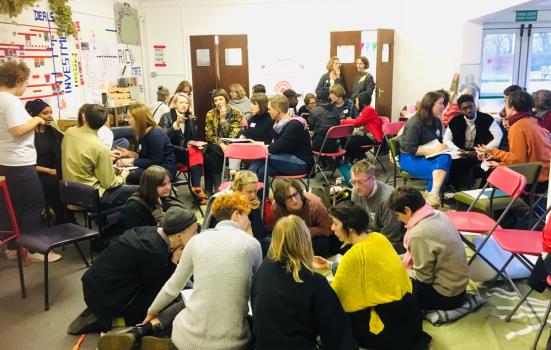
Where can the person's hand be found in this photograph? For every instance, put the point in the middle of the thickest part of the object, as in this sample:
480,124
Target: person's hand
320,263
124,173
52,172
148,318
176,254
223,146
493,163
440,148
123,152
127,161
484,149
223,112
255,203
39,121
180,119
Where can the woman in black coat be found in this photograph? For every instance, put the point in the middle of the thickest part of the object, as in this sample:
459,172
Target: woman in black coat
47,141
332,77
260,125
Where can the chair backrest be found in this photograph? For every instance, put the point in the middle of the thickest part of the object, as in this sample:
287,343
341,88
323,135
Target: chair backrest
81,195
339,131
507,180
392,129
394,147
126,132
530,170
384,120
247,151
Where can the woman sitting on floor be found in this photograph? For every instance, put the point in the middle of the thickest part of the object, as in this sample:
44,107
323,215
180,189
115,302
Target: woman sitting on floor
424,127
155,146
292,305
147,206
373,285
179,125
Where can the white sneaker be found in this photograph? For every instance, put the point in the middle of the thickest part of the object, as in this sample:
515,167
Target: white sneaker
37,257
11,254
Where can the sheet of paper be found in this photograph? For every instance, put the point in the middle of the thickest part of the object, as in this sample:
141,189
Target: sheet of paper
346,53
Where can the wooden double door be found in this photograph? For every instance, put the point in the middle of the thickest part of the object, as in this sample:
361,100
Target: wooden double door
217,62
378,46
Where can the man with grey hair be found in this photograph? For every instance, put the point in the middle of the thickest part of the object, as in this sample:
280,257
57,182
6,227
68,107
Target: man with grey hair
373,194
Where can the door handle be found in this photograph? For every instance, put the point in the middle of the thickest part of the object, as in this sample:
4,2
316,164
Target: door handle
380,92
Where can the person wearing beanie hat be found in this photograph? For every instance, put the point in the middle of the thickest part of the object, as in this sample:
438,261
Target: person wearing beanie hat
127,275
222,261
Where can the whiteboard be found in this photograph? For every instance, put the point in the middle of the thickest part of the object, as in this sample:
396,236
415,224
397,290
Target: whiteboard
67,72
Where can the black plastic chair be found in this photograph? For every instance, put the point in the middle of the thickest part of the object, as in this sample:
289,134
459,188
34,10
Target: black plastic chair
85,199
45,240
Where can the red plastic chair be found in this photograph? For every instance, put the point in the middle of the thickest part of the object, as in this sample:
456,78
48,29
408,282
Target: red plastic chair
376,147
247,151
502,178
335,132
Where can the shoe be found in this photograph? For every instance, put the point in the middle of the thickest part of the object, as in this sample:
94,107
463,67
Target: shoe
432,199
154,343
11,254
86,322
123,341
201,196
37,257
141,330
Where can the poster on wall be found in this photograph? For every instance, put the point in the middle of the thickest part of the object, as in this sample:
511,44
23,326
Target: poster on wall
128,24
159,55
68,71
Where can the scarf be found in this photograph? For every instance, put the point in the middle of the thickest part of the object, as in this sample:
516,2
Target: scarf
278,126
515,118
420,214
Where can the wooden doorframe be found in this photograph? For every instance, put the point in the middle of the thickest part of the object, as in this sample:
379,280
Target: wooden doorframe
383,90
233,74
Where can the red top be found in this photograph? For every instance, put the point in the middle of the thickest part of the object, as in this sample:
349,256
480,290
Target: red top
546,240
450,112
370,119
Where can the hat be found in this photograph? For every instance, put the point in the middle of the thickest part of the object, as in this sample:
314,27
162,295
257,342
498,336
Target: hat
177,219
291,93
34,107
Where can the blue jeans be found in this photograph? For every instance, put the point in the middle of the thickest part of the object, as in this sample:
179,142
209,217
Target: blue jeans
422,168
278,164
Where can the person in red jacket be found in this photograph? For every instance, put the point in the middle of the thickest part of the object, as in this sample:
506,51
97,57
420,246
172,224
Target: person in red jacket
368,128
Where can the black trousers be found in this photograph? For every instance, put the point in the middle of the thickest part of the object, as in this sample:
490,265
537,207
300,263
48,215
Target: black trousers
430,299
50,187
26,196
326,246
354,151
214,158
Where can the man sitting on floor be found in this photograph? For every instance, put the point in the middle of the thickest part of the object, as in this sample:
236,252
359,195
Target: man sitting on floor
372,195
126,277
290,198
85,159
435,252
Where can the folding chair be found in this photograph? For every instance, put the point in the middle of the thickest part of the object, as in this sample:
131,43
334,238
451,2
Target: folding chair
334,132
390,130
376,147
530,170
504,179
43,241
394,147
248,151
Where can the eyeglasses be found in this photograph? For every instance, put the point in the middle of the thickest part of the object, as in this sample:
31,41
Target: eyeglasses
295,196
187,92
360,182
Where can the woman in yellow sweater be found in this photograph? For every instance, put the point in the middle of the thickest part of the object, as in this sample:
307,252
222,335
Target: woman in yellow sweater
373,286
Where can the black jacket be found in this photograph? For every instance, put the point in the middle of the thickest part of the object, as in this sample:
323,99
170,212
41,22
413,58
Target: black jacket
295,140
260,128
137,263
482,123
322,90
291,315
321,119
177,137
138,213
156,149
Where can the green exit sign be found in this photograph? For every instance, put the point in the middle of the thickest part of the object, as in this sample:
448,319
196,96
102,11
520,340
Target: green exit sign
527,16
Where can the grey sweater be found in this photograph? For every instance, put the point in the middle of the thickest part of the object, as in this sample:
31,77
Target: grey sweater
439,255
382,218
417,134
222,261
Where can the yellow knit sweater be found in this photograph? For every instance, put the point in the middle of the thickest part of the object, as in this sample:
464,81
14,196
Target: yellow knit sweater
369,274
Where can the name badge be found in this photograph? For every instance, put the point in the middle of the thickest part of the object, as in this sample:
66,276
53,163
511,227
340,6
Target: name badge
253,125
345,111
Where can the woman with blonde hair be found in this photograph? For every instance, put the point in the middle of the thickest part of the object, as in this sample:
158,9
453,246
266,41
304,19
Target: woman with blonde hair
155,146
292,305
239,100
332,77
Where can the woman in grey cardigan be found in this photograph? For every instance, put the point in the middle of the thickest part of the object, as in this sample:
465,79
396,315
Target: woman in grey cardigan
426,161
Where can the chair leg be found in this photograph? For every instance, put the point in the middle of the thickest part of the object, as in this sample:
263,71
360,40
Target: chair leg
21,276
82,255
524,297
46,286
91,252
542,326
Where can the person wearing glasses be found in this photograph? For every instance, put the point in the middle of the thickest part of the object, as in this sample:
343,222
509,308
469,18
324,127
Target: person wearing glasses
310,102
289,198
372,195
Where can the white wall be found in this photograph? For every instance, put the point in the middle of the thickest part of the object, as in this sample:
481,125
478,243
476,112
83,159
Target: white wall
432,38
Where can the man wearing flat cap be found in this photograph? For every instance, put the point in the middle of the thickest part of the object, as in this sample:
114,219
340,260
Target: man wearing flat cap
126,277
